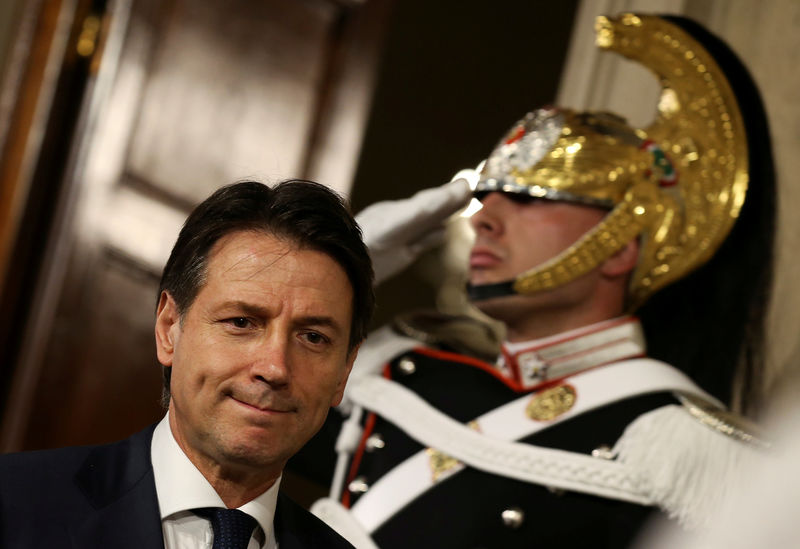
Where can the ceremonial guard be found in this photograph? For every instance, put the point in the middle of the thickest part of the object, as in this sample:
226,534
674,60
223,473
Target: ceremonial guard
576,431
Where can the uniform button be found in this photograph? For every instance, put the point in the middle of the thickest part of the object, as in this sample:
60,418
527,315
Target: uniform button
358,485
375,442
603,452
407,366
513,517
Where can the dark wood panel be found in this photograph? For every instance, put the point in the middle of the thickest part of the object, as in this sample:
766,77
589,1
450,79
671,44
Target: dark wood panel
232,94
107,383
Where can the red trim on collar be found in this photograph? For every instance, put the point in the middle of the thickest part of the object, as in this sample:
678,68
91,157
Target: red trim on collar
474,362
569,354
510,383
593,329
546,384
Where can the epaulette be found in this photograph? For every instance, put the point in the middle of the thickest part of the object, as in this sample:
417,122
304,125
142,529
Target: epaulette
462,334
725,422
688,455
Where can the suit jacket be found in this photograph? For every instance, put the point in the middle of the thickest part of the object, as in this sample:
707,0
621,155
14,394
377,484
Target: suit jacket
105,496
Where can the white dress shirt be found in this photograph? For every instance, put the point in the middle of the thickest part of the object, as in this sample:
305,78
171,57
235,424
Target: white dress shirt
181,487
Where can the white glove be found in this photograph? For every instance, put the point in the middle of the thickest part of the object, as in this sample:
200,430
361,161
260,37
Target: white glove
398,231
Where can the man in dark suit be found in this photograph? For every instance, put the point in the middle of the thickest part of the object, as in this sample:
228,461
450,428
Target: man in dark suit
262,306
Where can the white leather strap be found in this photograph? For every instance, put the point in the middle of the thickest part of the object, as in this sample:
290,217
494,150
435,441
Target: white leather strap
492,451
372,357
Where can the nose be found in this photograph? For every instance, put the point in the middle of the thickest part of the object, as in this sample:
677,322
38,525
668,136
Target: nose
272,363
489,219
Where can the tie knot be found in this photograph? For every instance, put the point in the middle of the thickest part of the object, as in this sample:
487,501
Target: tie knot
232,528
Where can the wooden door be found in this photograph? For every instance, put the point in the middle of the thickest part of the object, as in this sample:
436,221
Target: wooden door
190,95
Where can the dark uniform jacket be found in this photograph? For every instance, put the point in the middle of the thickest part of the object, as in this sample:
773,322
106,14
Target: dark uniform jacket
474,509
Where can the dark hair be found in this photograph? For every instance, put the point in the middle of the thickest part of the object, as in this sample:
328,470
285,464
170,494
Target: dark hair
306,213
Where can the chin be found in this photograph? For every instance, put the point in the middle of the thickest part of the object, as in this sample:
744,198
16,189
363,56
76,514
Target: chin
480,278
494,306
252,451
250,456
510,308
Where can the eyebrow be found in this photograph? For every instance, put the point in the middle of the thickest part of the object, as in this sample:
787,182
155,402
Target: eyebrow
257,310
318,321
247,308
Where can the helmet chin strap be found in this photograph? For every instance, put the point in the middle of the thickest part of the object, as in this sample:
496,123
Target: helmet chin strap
482,292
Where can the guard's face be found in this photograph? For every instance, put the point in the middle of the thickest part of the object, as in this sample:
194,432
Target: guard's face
261,354
515,234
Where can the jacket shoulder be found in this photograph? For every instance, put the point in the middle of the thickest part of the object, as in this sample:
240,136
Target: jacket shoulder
23,473
43,479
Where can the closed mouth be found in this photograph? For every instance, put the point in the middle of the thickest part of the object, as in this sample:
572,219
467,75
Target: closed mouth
483,257
268,408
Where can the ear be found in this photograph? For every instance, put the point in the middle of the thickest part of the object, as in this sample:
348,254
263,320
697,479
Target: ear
167,328
622,262
339,393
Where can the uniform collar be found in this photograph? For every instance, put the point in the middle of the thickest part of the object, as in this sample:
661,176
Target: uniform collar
532,363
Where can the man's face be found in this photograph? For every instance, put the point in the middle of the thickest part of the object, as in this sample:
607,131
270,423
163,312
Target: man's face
261,354
515,234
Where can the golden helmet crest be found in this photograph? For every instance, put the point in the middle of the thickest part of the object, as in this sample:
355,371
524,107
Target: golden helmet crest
678,185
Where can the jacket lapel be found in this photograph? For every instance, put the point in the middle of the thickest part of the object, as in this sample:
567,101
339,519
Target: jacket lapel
296,528
287,533
117,479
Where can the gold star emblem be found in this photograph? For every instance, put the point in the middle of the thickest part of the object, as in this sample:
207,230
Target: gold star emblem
443,465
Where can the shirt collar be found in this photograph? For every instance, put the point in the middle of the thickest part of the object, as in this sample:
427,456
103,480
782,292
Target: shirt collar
180,486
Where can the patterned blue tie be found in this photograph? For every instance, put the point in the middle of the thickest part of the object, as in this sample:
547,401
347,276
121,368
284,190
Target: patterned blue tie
232,528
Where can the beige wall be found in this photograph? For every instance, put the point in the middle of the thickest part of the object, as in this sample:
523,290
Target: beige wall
765,36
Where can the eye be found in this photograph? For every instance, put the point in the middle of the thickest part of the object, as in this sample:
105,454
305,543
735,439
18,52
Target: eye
315,338
240,322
